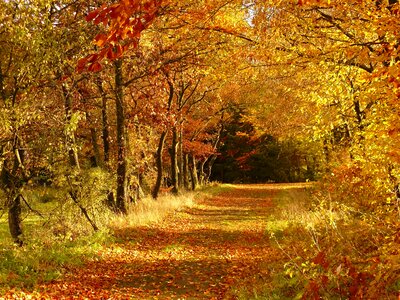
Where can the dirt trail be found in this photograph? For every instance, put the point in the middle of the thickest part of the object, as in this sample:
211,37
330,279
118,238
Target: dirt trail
204,252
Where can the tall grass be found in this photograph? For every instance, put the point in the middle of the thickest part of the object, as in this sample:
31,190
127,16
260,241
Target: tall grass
148,210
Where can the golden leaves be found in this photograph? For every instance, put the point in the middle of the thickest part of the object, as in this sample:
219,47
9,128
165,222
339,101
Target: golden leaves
312,2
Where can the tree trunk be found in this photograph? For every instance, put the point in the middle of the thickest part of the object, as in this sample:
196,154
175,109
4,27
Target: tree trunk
19,179
93,137
186,171
140,192
213,157
201,172
180,158
193,172
105,125
105,138
96,150
121,140
14,219
360,115
12,181
159,165
208,168
70,133
174,161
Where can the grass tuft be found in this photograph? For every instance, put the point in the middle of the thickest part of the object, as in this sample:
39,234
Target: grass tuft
148,210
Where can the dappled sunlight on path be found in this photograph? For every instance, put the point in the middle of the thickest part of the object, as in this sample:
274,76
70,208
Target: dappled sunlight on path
203,252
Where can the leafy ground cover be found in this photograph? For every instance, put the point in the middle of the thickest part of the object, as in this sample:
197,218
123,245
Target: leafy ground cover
218,248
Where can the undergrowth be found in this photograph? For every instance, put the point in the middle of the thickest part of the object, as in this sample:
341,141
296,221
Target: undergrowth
36,262
332,250
148,211
61,239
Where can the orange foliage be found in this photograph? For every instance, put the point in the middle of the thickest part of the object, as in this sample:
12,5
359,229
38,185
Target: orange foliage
125,20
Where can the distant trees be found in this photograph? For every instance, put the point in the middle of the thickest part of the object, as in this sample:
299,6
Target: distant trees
250,157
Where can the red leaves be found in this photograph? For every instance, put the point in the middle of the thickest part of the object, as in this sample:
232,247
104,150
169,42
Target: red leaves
100,39
90,63
125,20
81,63
321,260
199,148
95,67
92,15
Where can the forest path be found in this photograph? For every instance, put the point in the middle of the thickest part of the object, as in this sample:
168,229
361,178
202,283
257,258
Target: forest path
208,251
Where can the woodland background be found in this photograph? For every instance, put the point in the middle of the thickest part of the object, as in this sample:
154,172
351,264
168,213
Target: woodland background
103,103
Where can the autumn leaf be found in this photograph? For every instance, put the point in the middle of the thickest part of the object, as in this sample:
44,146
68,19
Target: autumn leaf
95,67
100,40
321,260
92,15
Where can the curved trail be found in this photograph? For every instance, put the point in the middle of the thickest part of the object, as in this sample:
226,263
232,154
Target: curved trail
204,252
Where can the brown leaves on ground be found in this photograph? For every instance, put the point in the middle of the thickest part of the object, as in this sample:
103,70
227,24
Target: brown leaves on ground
203,252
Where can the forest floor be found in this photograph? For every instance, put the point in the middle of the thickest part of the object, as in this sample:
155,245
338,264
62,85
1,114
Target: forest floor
218,248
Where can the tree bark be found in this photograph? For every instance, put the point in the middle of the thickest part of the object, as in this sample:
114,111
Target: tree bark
121,140
11,181
96,150
208,168
70,136
213,157
159,165
105,125
105,138
186,171
180,157
193,172
19,179
174,161
360,115
93,137
14,219
201,173
160,148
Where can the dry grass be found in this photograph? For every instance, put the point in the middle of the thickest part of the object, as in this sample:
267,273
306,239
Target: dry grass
297,207
148,211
